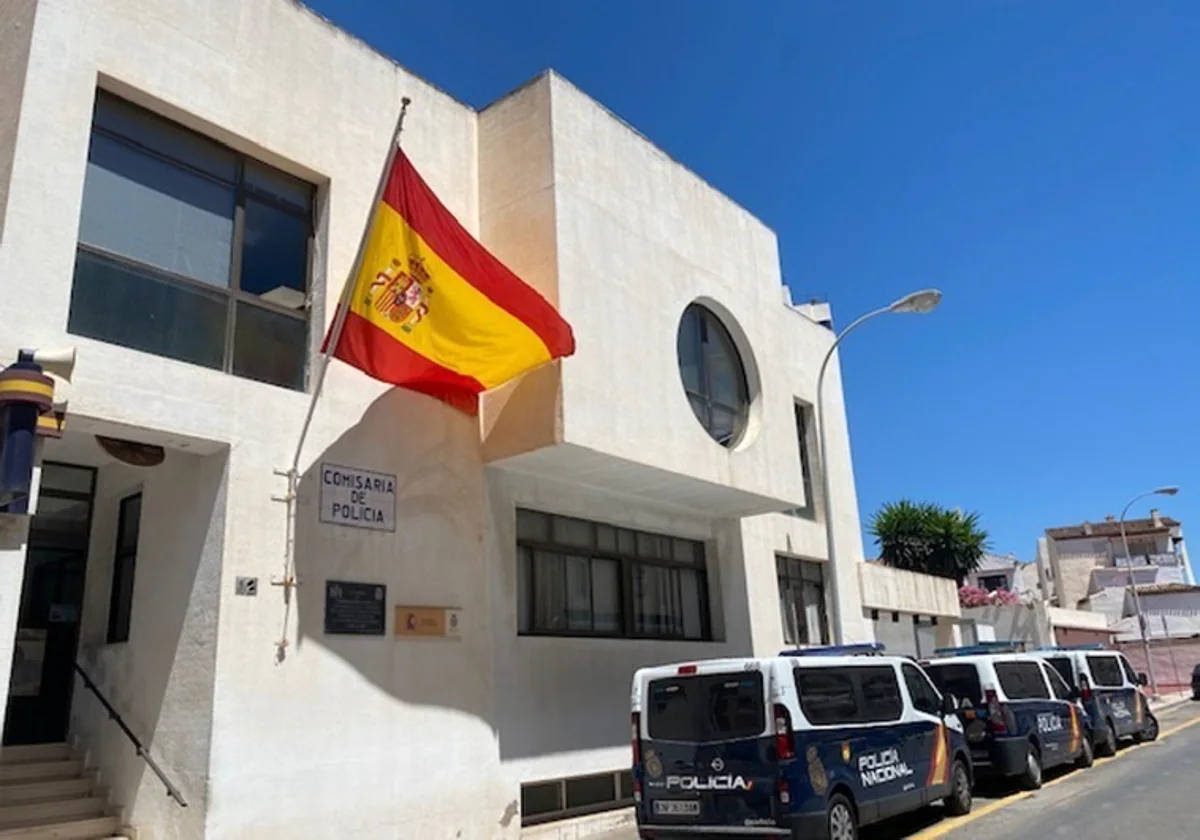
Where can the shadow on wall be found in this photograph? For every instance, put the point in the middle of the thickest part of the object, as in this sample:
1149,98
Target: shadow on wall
160,680
434,556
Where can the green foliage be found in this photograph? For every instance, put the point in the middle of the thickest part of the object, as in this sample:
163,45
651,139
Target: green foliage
927,538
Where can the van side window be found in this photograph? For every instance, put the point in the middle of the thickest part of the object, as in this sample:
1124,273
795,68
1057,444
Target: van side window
1128,669
1062,666
1105,670
960,680
869,694
1022,681
924,696
1061,690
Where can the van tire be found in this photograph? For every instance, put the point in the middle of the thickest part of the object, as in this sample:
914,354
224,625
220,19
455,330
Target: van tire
1150,733
959,800
841,823
1107,745
1031,778
1087,755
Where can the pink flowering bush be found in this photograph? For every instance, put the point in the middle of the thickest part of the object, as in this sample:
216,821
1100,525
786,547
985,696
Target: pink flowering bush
975,596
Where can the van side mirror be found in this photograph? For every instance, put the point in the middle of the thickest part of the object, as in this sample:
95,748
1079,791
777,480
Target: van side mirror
1143,679
949,705
1074,694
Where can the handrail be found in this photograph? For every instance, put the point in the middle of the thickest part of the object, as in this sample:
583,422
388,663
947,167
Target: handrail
142,752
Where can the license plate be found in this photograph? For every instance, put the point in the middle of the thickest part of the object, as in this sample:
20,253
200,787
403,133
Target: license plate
676,807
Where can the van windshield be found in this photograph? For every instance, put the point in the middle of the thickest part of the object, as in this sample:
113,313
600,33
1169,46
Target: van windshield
961,680
706,707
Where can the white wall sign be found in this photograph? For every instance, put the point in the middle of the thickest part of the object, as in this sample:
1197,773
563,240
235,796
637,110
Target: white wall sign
358,498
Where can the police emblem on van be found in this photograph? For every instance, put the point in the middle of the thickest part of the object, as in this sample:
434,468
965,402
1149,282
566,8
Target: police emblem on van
816,771
653,764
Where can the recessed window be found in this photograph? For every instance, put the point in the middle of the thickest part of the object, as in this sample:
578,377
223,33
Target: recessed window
802,601
804,433
190,250
558,799
581,578
120,605
713,375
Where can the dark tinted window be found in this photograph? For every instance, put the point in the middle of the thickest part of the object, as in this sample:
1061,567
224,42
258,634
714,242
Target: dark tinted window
1057,685
1022,681
960,680
1062,666
715,707
1128,669
838,695
924,697
1105,670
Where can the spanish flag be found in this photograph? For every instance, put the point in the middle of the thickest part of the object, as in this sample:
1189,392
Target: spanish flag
431,310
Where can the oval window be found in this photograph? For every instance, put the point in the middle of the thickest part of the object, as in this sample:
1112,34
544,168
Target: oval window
713,375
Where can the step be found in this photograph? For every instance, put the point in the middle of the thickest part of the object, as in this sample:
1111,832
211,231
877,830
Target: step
39,771
93,829
59,810
34,753
13,794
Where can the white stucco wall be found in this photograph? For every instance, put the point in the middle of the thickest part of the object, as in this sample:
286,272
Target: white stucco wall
384,737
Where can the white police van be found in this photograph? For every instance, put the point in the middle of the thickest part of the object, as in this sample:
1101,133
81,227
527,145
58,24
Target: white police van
809,744
1019,716
1110,691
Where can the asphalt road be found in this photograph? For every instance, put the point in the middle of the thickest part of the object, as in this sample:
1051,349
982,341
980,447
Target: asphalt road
1146,791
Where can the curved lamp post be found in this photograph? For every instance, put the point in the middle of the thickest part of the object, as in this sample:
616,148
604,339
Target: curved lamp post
1169,490
923,301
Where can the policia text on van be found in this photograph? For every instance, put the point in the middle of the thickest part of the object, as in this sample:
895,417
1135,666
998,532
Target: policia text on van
810,744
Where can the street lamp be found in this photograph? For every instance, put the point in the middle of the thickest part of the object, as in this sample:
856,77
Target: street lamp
923,301
1169,490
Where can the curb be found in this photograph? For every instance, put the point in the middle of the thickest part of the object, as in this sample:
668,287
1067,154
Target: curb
1167,704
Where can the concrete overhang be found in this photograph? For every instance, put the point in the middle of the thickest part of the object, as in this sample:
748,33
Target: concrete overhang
610,474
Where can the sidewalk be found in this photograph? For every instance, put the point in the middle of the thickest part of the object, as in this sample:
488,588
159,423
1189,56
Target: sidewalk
1171,700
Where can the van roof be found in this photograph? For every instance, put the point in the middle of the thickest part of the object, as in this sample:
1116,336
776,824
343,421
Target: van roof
980,657
743,664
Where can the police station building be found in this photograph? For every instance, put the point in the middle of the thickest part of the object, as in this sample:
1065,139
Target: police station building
440,642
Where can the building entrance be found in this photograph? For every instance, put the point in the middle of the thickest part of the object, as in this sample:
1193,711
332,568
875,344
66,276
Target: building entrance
39,697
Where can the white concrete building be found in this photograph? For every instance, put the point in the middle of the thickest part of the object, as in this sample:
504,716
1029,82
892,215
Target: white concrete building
182,191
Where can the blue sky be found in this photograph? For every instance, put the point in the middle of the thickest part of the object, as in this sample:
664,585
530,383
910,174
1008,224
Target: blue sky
1038,162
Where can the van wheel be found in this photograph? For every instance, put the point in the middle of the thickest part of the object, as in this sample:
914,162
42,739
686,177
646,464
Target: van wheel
1108,741
1031,778
1087,756
1150,733
840,819
959,800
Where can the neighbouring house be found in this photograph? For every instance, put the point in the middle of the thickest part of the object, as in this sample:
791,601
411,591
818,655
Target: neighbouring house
1004,572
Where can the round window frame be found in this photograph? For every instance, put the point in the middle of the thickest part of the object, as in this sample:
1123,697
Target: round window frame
748,421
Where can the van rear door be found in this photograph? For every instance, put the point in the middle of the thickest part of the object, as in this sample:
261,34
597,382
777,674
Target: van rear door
707,753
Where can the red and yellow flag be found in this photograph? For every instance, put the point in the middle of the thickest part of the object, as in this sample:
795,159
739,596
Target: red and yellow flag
433,311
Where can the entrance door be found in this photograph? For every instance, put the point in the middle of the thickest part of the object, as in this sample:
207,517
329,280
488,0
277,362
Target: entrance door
39,701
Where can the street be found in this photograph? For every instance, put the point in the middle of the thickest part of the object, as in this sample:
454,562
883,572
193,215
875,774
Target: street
1118,798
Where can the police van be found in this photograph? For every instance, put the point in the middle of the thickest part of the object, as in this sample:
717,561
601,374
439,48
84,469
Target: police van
1020,718
812,743
1110,691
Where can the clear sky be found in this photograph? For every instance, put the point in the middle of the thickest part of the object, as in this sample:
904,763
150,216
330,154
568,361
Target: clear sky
1038,162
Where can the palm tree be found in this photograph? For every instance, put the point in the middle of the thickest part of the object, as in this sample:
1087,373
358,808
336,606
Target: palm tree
924,537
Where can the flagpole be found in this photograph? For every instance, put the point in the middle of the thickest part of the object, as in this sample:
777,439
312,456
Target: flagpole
289,580
339,318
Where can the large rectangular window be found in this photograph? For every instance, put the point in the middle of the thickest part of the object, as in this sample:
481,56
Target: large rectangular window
120,605
190,250
581,578
840,695
804,439
802,601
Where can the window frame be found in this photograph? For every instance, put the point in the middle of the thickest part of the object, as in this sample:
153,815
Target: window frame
708,321
625,580
622,788
124,571
788,584
243,191
805,419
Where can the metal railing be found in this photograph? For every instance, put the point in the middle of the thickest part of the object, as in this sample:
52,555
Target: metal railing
143,753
